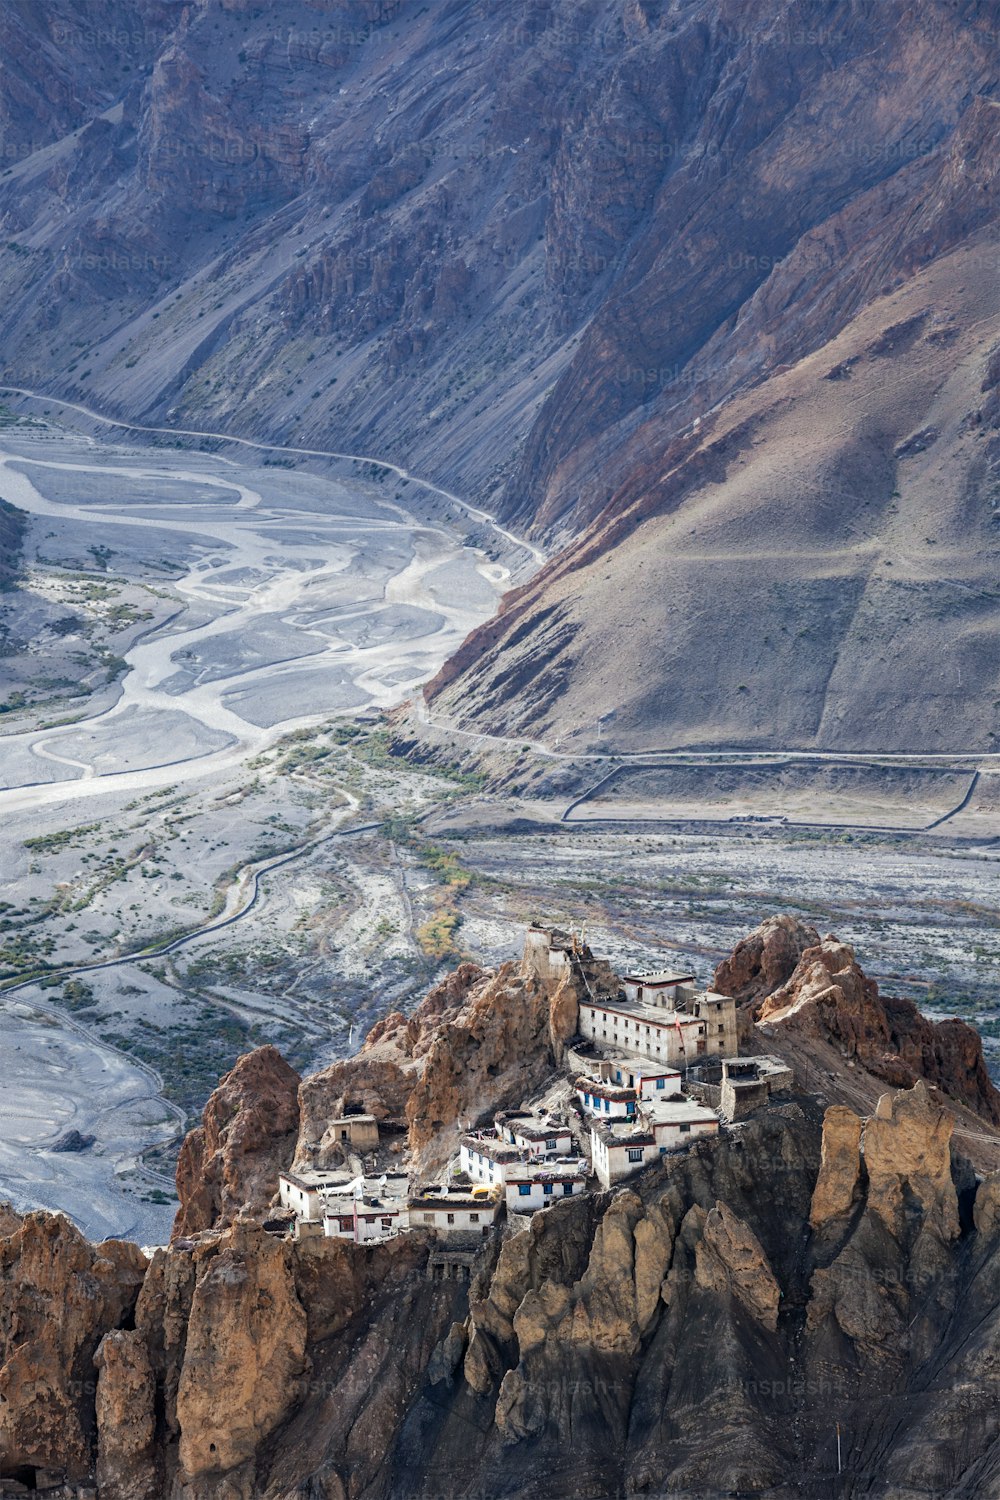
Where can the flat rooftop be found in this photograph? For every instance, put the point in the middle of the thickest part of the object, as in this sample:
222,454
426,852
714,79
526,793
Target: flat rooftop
638,1010
571,1172
452,1201
678,1112
311,1180
534,1130
659,976
501,1151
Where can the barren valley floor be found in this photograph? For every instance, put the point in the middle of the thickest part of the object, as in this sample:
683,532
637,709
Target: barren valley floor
219,846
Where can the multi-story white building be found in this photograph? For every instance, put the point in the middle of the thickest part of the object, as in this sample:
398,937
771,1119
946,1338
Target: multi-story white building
486,1159
619,1148
364,1219
528,1178
612,1101
533,1185
337,1205
305,1192
706,1027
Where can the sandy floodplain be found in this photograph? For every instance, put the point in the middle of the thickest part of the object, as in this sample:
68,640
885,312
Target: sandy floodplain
278,601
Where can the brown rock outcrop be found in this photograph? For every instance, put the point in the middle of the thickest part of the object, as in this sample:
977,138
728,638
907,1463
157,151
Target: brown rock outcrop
764,960
127,1459
830,996
230,1163
730,1260
495,1051
839,1184
383,1073
908,1161
245,1352
478,1042
59,1295
891,1284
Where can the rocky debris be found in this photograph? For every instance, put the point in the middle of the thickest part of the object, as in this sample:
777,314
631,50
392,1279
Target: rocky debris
839,1184
59,1296
230,1163
830,996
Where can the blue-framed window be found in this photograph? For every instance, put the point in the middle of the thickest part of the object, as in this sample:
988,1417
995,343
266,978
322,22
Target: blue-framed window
524,1188
661,1083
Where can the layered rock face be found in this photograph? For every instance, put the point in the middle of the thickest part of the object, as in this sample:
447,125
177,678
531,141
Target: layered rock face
230,1163
479,1042
702,303
59,1296
793,983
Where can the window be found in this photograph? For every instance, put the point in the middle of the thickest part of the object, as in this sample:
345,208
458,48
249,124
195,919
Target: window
607,1106
684,1129
547,1188
524,1188
551,1145
661,1083
721,1029
473,1218
386,1223
451,1218
428,1218
586,1098
630,1109
635,1153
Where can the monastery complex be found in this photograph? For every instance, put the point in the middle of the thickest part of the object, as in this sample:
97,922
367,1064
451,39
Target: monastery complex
654,1066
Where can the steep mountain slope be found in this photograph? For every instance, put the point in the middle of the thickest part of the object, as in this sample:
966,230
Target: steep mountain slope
815,566
523,249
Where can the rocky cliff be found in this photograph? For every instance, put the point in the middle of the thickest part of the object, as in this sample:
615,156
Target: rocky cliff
707,1327
230,1163
478,1043
707,293
704,1327
795,985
